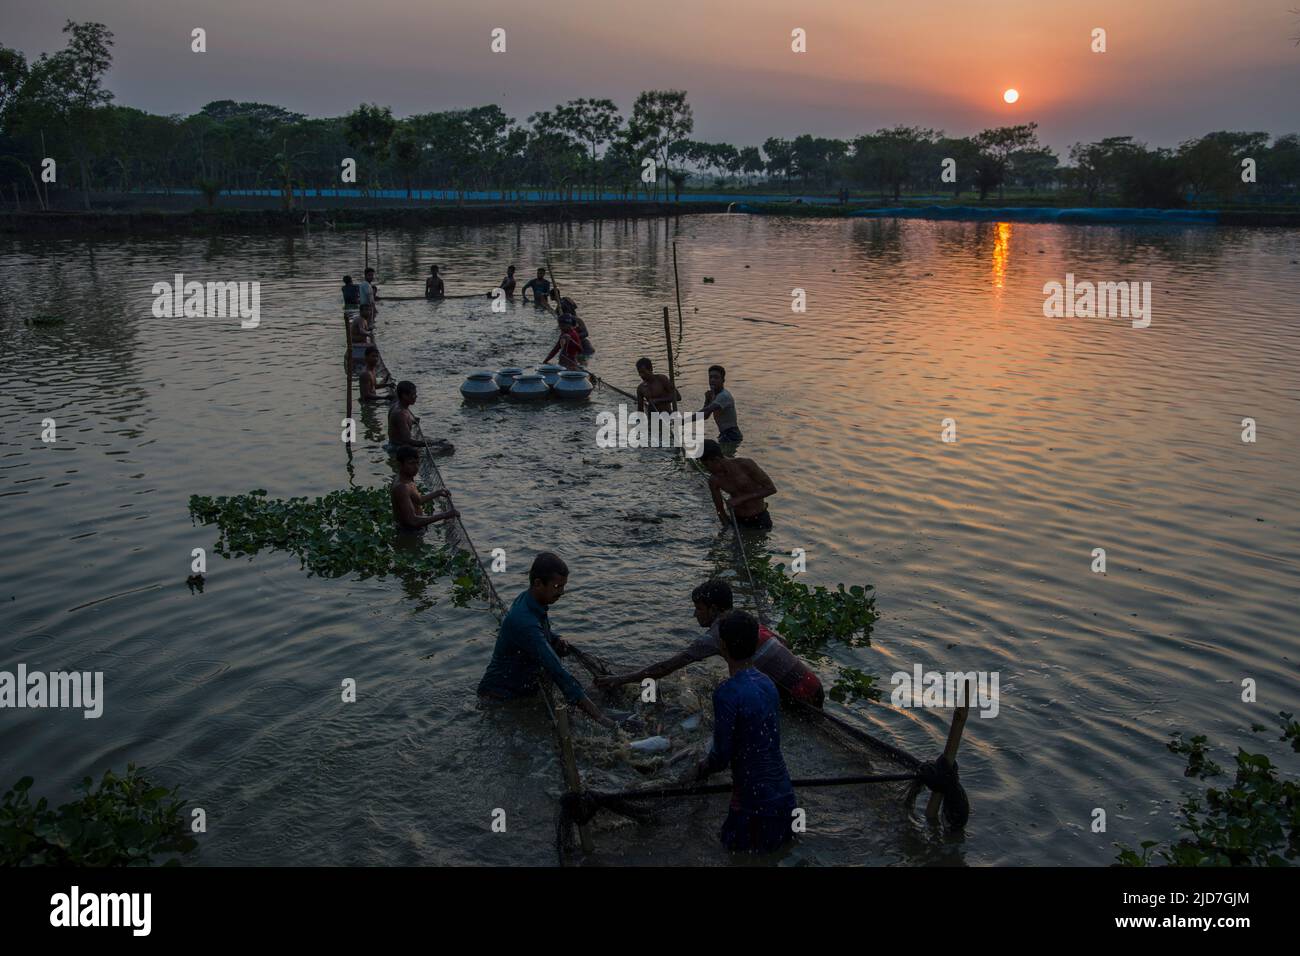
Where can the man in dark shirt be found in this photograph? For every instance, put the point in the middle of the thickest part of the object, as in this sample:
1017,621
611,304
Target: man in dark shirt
747,738
351,292
526,647
541,288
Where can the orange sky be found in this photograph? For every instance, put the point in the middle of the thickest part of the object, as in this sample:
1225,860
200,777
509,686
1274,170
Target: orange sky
1173,69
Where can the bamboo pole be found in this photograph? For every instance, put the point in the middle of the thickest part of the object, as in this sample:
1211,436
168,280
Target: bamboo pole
347,358
950,748
367,249
571,778
678,287
668,342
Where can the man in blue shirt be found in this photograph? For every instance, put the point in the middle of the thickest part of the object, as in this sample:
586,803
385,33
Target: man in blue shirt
747,737
525,645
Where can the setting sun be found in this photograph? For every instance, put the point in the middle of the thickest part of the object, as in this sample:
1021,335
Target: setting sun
1011,95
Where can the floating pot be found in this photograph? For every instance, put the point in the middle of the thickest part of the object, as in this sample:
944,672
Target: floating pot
479,386
550,373
573,385
506,378
529,387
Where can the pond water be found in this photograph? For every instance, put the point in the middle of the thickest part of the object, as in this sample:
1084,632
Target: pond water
1072,434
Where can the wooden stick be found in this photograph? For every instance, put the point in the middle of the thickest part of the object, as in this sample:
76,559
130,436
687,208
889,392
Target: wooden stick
678,287
571,778
950,748
347,357
668,341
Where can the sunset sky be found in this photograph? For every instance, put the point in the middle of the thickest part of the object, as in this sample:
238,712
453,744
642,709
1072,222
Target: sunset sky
1173,68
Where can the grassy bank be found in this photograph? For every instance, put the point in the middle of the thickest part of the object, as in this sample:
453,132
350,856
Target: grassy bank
208,221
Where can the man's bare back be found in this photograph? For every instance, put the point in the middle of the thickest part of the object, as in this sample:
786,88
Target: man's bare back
746,484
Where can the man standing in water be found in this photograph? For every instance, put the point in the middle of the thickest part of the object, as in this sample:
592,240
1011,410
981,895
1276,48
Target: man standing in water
359,334
367,295
525,644
408,503
719,403
433,286
508,283
402,421
656,389
369,382
745,483
747,738
773,657
541,288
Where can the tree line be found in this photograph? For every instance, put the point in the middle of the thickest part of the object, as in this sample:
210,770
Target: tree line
57,106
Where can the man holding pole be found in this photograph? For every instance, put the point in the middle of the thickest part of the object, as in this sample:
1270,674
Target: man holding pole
525,645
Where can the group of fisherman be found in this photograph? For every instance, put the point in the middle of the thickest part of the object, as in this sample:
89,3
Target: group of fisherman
762,669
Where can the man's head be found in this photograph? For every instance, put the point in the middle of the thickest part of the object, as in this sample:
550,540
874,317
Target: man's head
547,578
510,270
568,305
433,270
711,457
372,358
347,280
717,377
739,634
408,461
406,392
711,599
370,275
645,369
541,273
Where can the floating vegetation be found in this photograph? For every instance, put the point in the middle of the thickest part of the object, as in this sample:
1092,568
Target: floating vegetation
344,532
811,617
41,320
125,821
1253,822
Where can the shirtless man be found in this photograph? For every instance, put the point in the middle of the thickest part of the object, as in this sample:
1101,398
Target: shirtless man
359,336
408,503
433,286
402,421
370,382
508,283
655,390
745,483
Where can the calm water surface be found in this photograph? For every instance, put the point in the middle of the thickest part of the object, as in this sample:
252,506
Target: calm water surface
1072,435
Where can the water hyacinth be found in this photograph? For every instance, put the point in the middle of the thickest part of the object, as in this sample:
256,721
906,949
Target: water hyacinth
344,532
811,617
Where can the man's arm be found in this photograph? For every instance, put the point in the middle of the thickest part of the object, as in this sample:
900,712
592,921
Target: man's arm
718,503
724,734
654,671
566,682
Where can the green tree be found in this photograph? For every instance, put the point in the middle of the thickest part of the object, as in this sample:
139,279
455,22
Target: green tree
663,121
1000,144
594,123
368,129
